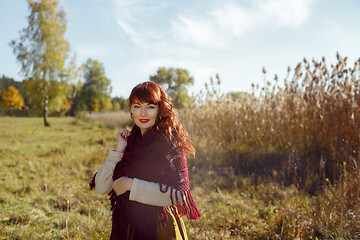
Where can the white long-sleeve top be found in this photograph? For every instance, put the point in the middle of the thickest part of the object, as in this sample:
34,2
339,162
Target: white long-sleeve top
141,191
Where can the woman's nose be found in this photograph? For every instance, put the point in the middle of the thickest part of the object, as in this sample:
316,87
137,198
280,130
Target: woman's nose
143,111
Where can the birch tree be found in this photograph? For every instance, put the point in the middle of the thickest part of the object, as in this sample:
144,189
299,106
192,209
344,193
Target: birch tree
42,51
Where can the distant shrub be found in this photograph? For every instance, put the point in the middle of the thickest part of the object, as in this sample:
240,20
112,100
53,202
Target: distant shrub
14,112
118,119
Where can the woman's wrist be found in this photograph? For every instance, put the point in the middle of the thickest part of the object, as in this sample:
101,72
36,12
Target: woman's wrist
129,183
119,149
122,185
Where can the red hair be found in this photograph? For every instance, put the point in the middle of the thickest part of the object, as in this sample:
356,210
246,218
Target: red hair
150,92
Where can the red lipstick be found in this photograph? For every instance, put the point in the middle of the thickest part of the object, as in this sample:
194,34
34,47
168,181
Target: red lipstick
144,120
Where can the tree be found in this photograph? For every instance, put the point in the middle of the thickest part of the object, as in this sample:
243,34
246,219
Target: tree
74,87
119,103
42,51
6,82
95,93
72,97
175,81
12,99
33,91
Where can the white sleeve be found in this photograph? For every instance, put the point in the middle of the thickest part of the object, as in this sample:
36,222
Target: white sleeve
103,178
149,193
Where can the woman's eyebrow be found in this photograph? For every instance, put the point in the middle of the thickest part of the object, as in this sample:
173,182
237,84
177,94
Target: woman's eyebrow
144,103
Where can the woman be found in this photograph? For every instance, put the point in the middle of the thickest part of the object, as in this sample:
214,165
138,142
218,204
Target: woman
146,175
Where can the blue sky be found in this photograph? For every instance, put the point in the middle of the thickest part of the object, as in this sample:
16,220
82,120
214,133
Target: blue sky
235,39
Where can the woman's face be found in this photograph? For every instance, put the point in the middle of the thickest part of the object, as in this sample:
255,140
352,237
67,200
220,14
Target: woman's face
144,115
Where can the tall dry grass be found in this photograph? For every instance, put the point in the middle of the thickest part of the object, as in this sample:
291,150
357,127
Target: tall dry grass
112,120
300,131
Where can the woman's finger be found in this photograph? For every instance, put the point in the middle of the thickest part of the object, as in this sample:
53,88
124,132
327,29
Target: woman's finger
125,133
120,134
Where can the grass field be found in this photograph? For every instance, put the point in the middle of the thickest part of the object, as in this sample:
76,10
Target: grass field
44,194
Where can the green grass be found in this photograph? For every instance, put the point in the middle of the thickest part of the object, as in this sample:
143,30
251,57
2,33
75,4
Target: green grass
44,173
44,193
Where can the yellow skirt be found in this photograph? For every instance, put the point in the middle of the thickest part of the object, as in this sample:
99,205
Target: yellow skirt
175,227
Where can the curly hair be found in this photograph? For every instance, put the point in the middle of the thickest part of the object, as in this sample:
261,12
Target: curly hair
150,92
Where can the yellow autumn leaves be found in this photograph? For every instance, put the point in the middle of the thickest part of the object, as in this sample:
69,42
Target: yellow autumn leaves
12,99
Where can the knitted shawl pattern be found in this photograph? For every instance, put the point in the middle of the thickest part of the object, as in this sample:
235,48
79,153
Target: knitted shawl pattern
152,157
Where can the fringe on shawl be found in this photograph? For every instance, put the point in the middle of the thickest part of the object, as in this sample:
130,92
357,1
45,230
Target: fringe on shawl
187,205
92,182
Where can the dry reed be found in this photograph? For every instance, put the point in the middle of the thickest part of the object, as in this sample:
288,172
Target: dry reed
301,130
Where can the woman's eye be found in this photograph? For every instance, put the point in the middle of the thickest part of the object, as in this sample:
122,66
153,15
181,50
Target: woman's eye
136,106
151,107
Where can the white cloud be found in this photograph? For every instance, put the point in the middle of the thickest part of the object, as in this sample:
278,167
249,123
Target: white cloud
285,13
136,19
124,17
220,26
201,32
211,26
235,19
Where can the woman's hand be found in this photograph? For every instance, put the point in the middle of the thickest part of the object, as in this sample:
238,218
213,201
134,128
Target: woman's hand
121,140
122,185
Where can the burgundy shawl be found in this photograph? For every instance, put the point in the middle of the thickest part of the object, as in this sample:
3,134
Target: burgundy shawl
152,157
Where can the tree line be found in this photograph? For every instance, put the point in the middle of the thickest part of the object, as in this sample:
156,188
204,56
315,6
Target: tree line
65,98
91,92
52,81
